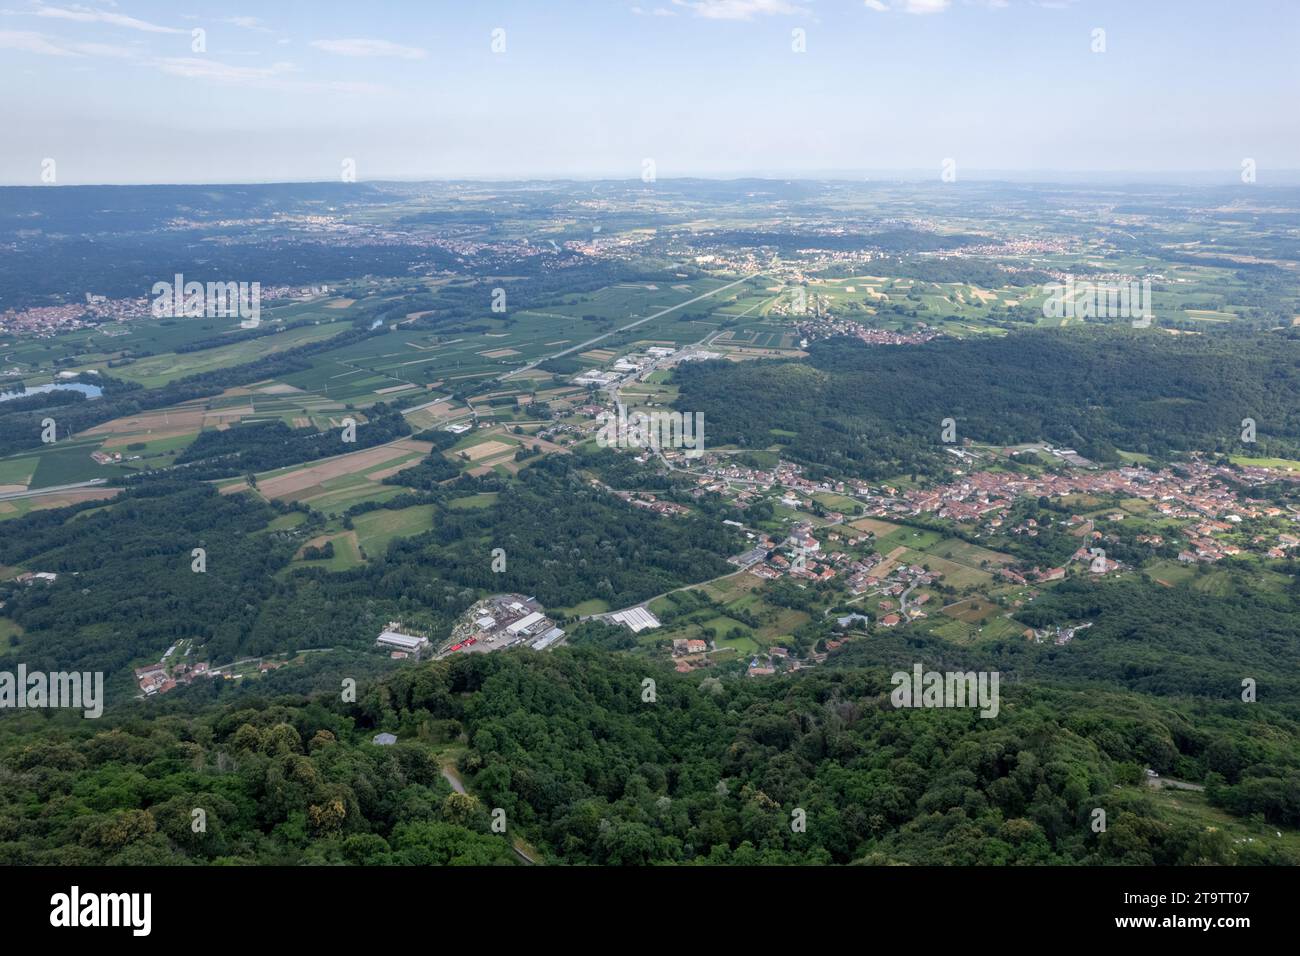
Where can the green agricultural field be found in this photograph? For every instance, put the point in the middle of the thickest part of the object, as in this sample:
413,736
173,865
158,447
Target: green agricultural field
584,609
836,502
874,526
1000,628
336,500
484,499
87,348
661,606
1135,458
973,610
1286,463
949,629
68,462
1209,579
375,530
409,356
17,507
734,586
287,522
917,539
158,370
18,470
721,624
156,453
742,645
346,554
1170,572
954,574
786,621
970,555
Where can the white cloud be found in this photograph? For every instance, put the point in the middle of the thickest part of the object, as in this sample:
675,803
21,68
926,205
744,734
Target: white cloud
29,42
87,15
247,23
42,45
364,47
194,67
740,9
277,76
103,49
912,6
348,86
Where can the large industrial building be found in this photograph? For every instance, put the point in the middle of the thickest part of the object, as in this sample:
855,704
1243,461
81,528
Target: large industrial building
396,641
638,619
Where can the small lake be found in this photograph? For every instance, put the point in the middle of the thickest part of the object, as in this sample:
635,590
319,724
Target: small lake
90,391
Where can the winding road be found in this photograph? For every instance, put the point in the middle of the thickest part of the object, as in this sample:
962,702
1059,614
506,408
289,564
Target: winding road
453,778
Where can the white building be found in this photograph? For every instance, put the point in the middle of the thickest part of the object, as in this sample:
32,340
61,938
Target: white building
524,623
547,639
402,642
638,619
595,378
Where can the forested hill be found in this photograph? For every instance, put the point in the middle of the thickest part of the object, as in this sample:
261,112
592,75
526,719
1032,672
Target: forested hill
587,771
126,591
876,411
1144,637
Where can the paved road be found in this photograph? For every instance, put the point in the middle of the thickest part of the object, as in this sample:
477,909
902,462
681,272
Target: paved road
53,489
416,408
631,325
647,601
452,777
902,601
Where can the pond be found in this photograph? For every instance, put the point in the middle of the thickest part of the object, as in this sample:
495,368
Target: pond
90,391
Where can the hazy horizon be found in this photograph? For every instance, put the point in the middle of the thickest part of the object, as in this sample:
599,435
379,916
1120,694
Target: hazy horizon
1046,177
146,92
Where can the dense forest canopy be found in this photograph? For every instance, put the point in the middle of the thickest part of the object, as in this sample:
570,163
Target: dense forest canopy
588,772
857,409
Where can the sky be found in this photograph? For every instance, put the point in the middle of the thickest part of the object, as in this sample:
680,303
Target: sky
291,90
